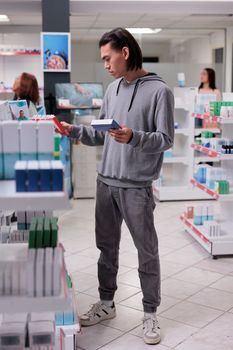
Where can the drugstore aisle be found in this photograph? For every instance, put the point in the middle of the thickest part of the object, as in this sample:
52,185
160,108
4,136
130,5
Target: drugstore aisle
197,292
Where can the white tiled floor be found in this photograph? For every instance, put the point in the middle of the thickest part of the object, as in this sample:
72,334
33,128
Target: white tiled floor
196,311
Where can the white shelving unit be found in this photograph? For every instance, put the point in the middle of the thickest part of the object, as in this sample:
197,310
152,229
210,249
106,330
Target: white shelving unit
12,200
174,183
222,245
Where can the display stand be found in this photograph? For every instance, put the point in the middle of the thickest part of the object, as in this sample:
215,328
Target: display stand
10,199
222,244
174,183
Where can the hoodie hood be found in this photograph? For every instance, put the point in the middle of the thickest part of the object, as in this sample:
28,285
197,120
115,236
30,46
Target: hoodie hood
137,82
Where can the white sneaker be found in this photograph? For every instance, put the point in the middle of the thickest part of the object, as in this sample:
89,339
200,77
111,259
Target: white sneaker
97,313
151,330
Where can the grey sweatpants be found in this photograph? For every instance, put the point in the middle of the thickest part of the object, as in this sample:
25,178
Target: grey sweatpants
135,206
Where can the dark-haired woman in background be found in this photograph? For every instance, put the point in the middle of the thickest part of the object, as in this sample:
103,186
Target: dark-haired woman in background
208,85
26,88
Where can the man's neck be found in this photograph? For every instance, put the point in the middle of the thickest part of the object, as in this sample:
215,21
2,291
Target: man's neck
135,74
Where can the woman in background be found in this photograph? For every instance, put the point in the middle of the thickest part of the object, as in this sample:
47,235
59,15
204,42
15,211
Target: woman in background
26,88
207,85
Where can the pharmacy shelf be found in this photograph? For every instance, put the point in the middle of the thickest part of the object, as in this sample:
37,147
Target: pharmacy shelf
218,119
206,159
182,160
208,151
207,116
16,304
19,53
216,246
213,194
174,193
211,153
12,200
213,130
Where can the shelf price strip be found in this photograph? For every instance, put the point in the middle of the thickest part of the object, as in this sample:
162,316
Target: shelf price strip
205,150
205,189
194,229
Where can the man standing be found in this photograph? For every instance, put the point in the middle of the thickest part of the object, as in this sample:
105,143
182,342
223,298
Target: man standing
132,158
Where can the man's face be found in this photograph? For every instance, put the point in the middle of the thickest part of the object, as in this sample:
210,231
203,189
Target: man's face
114,61
21,113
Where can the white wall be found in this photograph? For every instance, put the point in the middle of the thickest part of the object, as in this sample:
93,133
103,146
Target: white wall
13,66
195,50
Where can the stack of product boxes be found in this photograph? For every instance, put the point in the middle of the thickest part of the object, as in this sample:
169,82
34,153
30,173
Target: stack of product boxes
213,177
203,215
27,140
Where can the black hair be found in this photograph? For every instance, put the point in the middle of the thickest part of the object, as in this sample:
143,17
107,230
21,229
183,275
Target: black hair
211,78
119,38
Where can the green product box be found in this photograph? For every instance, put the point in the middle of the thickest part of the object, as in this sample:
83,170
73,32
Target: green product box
32,234
39,236
54,232
47,233
56,143
40,220
69,281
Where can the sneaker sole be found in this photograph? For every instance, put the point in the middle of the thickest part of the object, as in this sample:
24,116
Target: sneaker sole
151,341
86,323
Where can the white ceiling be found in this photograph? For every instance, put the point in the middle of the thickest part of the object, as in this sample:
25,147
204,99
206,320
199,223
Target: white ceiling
89,19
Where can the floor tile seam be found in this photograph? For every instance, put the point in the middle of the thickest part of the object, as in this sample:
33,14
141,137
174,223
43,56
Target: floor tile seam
209,307
118,329
111,341
199,284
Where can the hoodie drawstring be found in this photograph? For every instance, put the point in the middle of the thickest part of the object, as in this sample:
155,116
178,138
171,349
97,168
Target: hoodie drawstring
135,89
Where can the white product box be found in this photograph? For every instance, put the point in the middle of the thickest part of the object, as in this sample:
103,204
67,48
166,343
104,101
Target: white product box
21,216
31,272
45,136
2,266
57,265
41,333
15,317
29,216
8,278
39,272
22,278
12,333
42,316
28,136
10,132
48,271
15,276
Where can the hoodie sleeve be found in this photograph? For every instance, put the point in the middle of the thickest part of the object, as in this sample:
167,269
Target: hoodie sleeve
162,139
87,134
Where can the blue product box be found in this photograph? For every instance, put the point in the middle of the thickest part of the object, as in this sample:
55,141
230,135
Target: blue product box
104,124
68,317
20,170
45,176
33,176
9,160
57,175
197,220
59,319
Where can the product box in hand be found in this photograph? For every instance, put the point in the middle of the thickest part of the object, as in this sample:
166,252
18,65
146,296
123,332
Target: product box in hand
104,124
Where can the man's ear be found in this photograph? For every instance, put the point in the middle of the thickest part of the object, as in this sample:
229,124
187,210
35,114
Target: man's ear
125,52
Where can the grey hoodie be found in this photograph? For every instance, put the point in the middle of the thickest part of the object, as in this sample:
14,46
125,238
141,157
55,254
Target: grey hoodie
146,105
